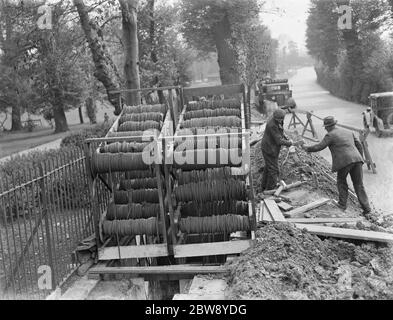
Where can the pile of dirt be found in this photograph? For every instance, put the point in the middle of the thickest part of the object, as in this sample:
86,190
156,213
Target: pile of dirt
288,263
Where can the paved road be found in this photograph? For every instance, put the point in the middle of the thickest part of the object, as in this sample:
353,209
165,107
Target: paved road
310,96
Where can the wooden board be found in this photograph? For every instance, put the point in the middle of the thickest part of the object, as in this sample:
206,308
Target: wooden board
79,290
205,286
284,206
211,248
274,210
323,220
306,208
169,269
347,233
128,252
184,285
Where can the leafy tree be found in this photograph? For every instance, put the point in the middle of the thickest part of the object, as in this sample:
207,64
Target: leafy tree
354,62
164,57
256,54
15,48
323,36
209,26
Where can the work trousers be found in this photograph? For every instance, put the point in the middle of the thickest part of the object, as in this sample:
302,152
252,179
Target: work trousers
356,172
270,171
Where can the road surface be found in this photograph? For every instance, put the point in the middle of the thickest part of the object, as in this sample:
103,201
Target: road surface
310,96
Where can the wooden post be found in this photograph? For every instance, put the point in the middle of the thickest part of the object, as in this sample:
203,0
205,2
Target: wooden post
309,123
174,112
161,199
170,205
369,161
295,120
94,207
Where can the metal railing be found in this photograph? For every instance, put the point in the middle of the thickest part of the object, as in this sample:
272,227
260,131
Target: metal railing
45,211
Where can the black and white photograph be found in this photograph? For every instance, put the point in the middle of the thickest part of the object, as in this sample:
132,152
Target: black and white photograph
196,156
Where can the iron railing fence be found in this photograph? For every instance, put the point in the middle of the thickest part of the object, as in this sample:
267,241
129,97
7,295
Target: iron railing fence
45,211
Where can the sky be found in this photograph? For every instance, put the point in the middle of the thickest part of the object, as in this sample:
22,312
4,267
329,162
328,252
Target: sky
287,17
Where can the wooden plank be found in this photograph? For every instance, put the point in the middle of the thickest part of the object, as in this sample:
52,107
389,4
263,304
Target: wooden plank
79,290
284,206
184,285
306,208
169,269
226,90
347,233
128,252
203,286
211,248
274,210
323,220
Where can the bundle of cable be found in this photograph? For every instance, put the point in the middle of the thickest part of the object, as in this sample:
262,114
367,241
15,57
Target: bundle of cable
207,113
144,183
202,191
136,196
215,224
213,122
123,147
139,174
123,228
153,116
207,158
184,177
210,142
127,134
208,130
117,162
132,211
139,126
161,108
214,104
215,208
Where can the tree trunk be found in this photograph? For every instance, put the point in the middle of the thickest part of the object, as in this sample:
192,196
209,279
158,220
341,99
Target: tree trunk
16,123
226,54
106,71
153,53
59,116
130,40
249,95
91,110
80,114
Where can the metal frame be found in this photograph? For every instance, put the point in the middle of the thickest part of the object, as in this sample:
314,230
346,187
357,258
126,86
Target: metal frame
205,249
124,250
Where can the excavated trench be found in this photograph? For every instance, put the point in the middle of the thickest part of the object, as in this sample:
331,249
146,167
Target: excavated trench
289,263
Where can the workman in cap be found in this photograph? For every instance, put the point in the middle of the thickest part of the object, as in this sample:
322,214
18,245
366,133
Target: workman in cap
272,141
368,119
347,152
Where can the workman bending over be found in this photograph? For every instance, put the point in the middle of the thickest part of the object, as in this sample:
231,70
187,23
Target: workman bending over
272,141
346,151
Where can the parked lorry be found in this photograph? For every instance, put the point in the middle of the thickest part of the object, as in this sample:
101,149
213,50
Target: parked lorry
382,107
276,91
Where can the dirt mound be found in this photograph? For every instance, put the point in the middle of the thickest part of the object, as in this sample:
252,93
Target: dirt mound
287,263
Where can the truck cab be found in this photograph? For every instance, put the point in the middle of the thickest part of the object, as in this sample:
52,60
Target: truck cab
276,91
382,106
